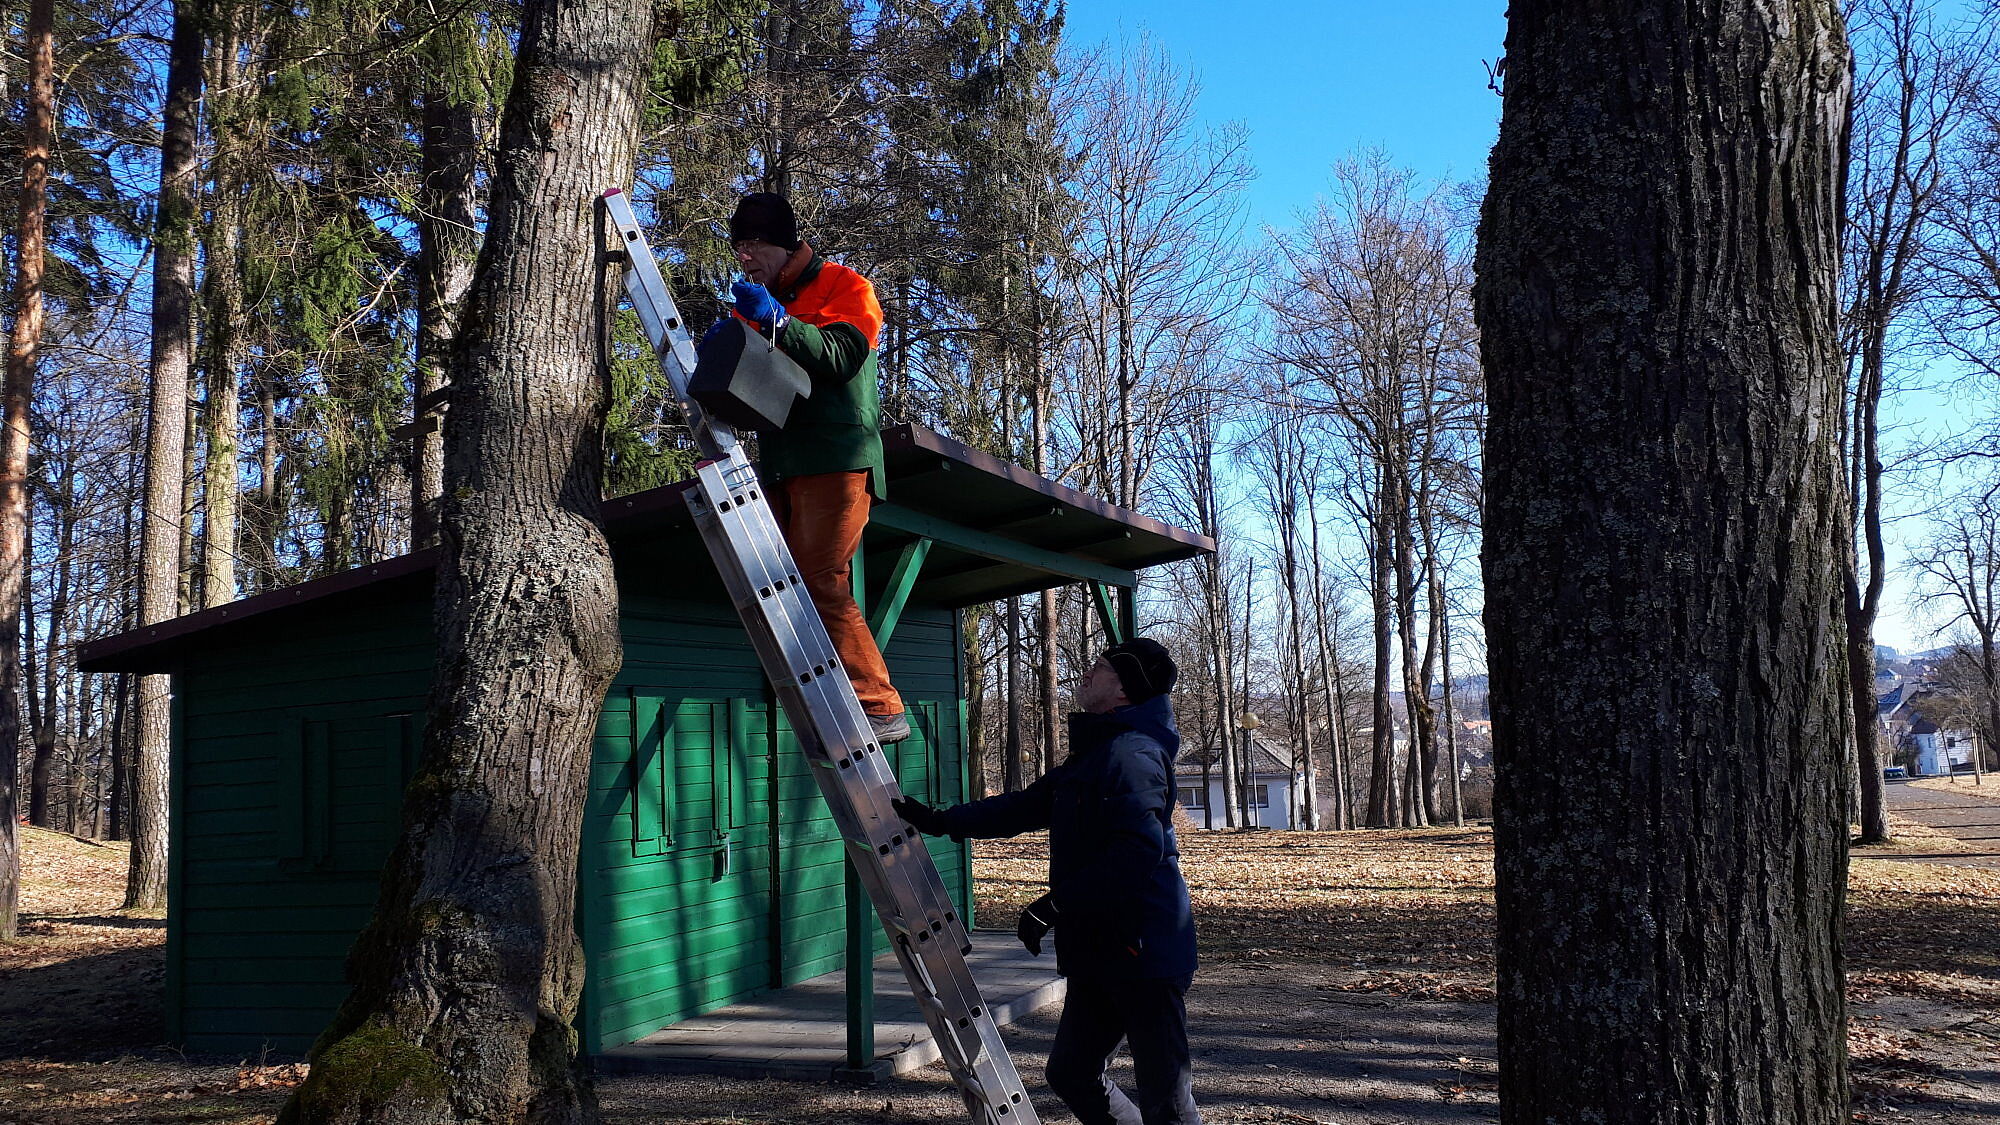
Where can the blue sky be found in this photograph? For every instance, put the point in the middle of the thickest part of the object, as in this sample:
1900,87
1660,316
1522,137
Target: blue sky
1317,81
1314,82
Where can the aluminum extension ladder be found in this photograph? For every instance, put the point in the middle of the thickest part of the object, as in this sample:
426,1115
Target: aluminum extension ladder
854,776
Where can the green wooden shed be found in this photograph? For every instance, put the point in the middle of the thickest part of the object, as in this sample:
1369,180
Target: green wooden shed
710,870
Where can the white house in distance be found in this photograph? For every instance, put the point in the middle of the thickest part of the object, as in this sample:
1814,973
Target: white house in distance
1272,783
1938,750
1909,715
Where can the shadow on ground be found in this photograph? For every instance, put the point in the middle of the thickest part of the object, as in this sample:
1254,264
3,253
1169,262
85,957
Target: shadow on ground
65,1011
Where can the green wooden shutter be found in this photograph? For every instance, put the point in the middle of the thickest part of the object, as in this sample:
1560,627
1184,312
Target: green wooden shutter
919,758
305,806
690,767
732,763
652,776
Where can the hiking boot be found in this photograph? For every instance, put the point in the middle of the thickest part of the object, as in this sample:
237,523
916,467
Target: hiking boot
890,728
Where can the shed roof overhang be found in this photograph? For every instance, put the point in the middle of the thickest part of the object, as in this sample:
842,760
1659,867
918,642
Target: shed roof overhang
975,527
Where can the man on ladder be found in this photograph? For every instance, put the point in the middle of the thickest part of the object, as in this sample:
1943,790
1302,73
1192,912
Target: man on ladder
826,464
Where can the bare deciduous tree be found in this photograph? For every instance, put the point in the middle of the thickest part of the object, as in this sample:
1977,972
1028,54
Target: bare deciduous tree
1958,574
1913,93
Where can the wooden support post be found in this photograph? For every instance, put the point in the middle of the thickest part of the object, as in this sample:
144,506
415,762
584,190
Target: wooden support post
860,926
897,594
1112,617
860,974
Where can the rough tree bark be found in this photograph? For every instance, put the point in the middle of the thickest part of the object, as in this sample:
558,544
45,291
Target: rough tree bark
45,709
161,533
466,981
1419,803
1013,776
22,351
230,108
1657,276
1329,670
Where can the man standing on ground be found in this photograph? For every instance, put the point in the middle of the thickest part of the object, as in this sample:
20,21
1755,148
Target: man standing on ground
825,466
1124,928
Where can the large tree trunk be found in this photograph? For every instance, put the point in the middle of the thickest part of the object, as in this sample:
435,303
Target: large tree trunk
264,528
41,719
1443,611
977,697
1862,599
466,982
22,352
161,536
1330,675
1658,262
1306,801
1228,708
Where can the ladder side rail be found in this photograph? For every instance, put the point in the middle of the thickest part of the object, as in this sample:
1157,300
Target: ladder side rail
751,534
906,879
665,329
757,543
824,701
953,1008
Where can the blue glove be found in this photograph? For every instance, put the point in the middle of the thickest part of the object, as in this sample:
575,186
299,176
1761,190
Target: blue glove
754,303
714,330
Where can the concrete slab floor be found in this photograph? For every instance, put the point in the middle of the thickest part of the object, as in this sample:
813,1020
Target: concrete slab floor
800,1032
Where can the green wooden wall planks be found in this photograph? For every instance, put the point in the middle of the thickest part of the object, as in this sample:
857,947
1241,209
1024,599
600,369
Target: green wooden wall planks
288,778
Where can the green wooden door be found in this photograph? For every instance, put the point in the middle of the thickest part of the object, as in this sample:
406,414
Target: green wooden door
676,885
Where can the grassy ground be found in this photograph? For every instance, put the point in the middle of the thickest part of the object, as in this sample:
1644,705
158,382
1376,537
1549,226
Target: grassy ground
1989,790
1348,977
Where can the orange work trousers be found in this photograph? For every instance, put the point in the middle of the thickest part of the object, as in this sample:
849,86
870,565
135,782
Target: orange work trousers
822,515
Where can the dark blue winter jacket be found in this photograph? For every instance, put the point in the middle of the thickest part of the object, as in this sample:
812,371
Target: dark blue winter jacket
1114,868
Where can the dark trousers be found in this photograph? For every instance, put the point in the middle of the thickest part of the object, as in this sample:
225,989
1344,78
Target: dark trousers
1151,1017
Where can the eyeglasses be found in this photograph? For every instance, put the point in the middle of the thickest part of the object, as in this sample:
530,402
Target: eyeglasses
749,245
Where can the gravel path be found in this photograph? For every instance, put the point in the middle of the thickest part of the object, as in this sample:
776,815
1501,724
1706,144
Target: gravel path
1973,817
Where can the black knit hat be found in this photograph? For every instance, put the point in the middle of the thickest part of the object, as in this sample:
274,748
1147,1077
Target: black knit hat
1144,668
762,215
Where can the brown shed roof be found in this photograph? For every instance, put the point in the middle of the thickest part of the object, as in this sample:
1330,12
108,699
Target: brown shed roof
997,530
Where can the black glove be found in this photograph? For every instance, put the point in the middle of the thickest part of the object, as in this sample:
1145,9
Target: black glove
920,816
1036,921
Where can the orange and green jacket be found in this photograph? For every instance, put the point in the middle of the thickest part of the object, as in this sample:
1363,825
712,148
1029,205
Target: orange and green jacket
834,324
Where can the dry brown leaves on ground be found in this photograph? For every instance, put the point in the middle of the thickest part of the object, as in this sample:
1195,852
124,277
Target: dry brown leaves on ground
1885,1065
1410,912
1923,929
142,1091
70,893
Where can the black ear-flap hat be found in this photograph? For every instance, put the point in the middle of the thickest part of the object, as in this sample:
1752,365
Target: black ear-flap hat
1144,668
762,215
